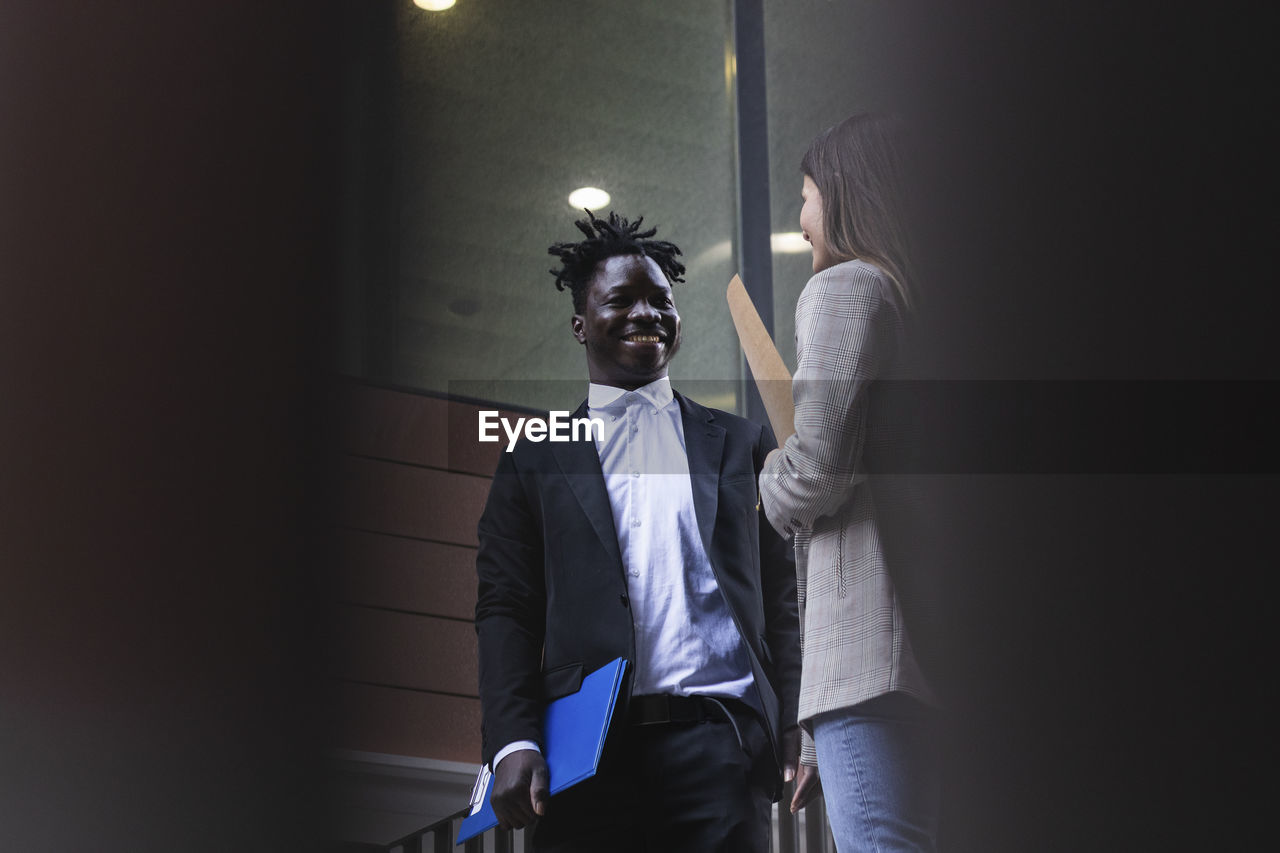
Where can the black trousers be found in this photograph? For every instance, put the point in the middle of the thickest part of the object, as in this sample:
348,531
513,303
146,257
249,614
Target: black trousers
669,788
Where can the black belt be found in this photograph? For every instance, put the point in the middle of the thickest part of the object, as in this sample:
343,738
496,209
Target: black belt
653,709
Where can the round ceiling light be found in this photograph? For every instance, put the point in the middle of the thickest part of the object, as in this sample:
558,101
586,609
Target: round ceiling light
434,5
590,198
788,243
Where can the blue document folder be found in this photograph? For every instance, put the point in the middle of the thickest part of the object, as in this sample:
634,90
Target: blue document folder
573,732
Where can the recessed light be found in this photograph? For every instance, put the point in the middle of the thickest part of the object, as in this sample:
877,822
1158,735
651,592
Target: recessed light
434,5
788,243
589,198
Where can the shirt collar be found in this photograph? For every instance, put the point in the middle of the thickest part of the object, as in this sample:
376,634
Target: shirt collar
657,393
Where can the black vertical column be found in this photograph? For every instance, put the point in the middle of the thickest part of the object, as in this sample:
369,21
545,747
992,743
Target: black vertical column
755,257
372,186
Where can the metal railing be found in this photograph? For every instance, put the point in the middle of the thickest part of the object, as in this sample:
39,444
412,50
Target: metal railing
804,833
807,832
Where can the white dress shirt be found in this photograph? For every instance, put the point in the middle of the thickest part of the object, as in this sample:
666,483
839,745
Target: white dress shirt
686,640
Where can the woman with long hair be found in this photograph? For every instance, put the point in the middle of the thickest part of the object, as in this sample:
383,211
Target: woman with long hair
864,698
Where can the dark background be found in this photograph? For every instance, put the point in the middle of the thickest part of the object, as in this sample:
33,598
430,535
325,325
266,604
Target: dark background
166,199
1103,210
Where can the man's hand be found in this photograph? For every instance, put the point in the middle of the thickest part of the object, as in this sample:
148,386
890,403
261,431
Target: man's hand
520,789
808,783
808,786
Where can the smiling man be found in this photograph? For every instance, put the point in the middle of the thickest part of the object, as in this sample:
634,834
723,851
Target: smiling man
645,543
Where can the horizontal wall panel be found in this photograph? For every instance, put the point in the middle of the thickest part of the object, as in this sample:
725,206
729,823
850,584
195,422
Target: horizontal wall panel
413,428
406,574
404,722
405,650
403,500
393,425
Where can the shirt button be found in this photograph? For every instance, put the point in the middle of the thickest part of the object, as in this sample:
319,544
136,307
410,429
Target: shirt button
635,522
634,573
635,473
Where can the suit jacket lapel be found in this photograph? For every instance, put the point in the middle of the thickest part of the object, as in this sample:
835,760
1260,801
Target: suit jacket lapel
580,463
704,445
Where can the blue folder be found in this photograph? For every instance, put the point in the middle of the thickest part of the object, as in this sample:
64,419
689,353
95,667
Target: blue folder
573,732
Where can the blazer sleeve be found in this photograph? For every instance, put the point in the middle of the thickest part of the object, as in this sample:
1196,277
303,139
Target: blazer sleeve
781,612
510,613
847,328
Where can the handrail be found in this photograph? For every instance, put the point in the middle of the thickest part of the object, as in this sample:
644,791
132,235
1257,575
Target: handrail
815,837
412,843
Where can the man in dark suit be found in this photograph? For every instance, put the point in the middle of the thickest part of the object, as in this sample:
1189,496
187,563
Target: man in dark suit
645,543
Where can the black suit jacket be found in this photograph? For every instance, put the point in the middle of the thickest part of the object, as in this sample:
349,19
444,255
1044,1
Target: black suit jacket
552,603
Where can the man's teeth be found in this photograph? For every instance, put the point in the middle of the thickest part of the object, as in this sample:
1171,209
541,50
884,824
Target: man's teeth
644,339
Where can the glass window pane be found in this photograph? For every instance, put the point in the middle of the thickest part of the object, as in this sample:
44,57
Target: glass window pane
501,110
824,61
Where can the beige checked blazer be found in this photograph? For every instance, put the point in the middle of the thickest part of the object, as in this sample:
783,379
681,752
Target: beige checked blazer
849,331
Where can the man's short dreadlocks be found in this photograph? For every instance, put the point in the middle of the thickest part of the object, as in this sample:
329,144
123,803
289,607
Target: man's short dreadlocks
617,236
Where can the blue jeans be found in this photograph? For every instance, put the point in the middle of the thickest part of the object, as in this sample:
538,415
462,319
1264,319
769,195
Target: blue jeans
880,775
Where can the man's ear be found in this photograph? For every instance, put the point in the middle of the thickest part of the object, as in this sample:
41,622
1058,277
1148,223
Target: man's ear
576,322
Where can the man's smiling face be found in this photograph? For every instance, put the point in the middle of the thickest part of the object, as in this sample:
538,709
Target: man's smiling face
629,323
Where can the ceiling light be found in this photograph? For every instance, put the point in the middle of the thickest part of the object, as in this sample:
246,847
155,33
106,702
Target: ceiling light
589,198
434,5
788,243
